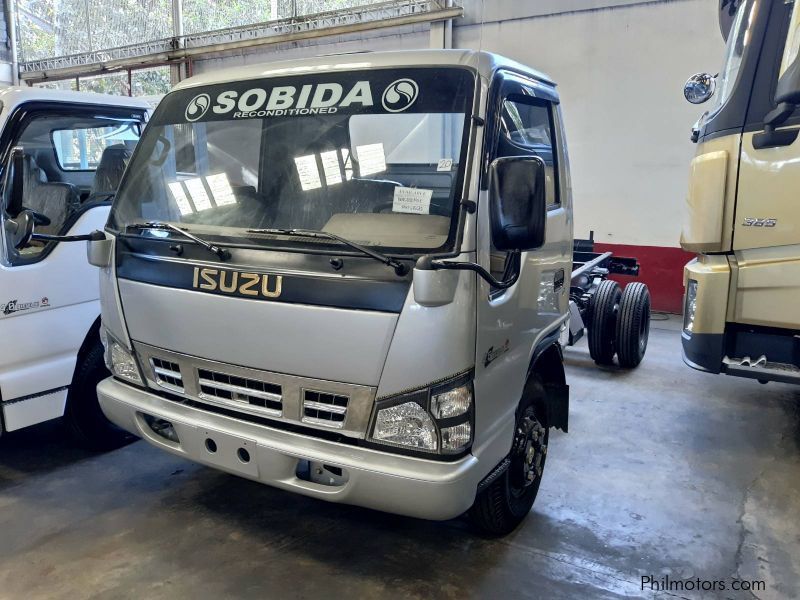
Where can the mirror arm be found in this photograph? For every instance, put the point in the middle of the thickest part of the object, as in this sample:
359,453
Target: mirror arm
770,138
95,236
778,116
469,266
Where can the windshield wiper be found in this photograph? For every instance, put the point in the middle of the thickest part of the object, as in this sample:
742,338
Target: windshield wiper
221,252
399,268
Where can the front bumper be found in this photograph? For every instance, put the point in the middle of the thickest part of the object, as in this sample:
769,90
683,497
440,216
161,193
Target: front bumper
411,486
703,352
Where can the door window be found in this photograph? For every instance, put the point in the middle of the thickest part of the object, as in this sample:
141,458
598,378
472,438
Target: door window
526,129
80,149
71,161
792,40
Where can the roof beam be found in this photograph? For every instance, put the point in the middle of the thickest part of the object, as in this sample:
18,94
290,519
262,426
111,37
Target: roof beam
395,13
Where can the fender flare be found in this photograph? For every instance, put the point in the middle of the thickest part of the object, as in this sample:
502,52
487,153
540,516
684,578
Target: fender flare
548,364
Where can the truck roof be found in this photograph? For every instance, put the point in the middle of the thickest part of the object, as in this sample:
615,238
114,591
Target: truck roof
485,63
13,96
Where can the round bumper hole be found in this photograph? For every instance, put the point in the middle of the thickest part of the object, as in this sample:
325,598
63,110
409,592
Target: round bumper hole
243,455
211,445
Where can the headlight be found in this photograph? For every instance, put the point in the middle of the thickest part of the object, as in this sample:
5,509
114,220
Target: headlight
406,424
690,308
436,419
120,361
452,403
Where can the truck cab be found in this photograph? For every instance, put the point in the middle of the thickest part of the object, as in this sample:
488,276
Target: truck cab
345,277
72,148
741,316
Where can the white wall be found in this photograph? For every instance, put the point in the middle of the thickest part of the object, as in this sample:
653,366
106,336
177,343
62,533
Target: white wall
620,71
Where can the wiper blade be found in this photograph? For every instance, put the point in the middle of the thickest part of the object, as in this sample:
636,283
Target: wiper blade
399,268
221,252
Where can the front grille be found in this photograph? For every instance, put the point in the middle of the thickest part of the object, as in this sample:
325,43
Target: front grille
259,396
323,408
168,374
232,389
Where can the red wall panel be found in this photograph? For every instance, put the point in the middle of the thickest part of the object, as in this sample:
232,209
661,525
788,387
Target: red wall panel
661,269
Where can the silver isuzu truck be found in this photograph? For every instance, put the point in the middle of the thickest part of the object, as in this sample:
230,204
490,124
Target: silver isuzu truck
348,277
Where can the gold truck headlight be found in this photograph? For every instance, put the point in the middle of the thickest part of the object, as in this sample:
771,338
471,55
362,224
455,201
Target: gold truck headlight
437,419
690,306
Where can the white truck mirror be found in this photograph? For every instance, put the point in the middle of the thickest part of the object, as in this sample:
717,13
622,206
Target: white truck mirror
98,250
434,287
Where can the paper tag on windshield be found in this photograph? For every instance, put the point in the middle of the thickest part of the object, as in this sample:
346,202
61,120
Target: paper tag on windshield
445,164
412,200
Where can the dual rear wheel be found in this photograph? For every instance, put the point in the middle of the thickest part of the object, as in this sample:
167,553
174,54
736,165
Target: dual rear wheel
619,323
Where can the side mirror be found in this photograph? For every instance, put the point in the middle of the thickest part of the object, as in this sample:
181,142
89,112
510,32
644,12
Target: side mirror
517,203
787,97
19,230
700,87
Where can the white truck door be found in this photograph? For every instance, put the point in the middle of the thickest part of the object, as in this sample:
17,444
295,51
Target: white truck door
49,296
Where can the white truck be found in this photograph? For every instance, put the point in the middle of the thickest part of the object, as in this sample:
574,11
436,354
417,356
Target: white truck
347,277
72,148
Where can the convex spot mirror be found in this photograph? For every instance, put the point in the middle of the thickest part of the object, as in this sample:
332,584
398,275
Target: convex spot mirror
700,87
517,203
18,222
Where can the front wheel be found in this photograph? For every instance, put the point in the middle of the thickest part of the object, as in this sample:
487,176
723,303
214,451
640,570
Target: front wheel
503,504
83,416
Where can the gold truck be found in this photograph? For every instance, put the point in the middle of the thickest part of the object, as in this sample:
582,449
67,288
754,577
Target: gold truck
742,299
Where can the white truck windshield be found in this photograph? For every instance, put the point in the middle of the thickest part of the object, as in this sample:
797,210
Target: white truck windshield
373,156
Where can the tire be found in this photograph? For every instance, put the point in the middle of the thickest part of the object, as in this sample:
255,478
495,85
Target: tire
83,416
604,308
633,325
501,506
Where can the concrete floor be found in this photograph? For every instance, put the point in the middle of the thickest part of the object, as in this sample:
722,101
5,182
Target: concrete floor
665,472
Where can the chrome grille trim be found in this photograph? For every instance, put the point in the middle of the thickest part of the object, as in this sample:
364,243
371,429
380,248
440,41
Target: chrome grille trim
216,388
339,410
344,407
324,408
237,389
167,374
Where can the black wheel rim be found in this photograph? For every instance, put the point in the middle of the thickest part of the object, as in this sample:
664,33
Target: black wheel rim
528,454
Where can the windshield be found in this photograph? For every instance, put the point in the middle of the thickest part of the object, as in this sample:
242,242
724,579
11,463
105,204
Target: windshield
372,156
739,40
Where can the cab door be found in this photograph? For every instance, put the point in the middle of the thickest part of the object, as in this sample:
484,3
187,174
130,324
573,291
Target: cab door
524,120
766,236
49,296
